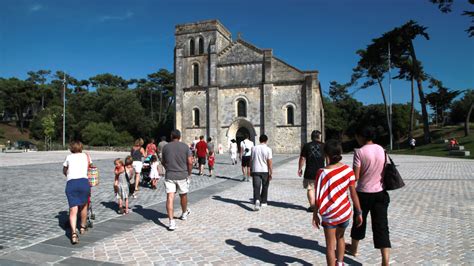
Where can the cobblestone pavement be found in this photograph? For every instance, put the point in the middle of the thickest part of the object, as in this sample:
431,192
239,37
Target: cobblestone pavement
33,202
430,222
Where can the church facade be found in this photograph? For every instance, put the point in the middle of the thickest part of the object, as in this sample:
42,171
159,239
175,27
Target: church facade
226,89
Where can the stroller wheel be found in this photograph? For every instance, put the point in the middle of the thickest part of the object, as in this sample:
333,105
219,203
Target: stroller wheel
93,216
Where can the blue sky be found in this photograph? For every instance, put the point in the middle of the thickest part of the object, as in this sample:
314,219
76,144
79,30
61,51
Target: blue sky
135,38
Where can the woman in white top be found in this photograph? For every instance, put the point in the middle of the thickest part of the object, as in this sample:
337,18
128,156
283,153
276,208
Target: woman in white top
77,187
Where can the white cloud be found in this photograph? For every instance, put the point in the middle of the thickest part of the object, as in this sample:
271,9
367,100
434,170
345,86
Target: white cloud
35,8
105,18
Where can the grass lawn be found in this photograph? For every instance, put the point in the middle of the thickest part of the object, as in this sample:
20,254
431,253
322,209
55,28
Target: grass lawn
438,147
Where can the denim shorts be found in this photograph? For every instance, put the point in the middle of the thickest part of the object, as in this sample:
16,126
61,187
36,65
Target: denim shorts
341,225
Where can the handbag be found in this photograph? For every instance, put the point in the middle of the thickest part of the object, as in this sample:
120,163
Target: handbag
391,178
92,172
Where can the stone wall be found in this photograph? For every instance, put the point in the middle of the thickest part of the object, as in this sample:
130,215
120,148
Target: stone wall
238,75
287,140
284,96
228,105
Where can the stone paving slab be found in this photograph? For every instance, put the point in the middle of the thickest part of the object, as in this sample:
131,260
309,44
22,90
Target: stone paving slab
34,205
430,223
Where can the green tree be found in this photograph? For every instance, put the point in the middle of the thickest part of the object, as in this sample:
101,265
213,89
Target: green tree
40,77
440,100
461,110
108,80
104,134
19,96
48,124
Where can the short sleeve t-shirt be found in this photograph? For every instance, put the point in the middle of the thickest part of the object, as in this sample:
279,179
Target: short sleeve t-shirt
150,149
161,145
246,144
260,154
210,146
77,164
370,159
314,155
331,194
175,159
201,147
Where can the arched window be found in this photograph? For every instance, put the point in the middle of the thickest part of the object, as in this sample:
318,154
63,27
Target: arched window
196,117
196,74
290,115
201,46
241,108
191,47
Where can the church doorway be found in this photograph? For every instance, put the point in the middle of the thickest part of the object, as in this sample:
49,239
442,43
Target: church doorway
239,129
240,136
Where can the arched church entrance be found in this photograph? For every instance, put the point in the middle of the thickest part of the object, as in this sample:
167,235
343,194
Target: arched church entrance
239,129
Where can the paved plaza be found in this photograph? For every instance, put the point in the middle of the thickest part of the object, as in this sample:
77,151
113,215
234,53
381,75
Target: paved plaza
430,219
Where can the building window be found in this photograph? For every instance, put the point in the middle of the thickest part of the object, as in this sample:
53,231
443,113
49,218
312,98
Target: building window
196,117
241,108
290,115
191,47
196,74
201,46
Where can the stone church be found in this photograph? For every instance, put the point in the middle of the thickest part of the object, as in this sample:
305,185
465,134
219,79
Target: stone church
226,89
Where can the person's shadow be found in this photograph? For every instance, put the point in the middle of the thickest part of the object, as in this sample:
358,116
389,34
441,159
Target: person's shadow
63,219
296,241
264,255
286,205
111,205
150,214
236,202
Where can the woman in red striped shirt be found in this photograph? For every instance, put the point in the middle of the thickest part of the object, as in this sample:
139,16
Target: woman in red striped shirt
332,202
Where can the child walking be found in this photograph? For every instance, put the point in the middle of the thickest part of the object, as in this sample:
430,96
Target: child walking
210,161
129,174
332,202
121,185
154,175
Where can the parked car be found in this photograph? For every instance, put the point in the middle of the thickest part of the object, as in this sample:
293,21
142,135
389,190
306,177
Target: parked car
24,144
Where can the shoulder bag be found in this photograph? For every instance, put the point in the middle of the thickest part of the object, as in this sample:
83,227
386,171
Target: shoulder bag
391,178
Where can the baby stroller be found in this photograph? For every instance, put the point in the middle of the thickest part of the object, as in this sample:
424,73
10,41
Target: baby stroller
146,169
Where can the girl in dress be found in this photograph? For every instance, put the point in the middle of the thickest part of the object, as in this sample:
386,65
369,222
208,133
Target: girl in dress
122,183
154,174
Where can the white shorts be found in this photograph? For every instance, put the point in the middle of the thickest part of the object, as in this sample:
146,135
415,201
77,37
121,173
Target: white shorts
180,186
137,166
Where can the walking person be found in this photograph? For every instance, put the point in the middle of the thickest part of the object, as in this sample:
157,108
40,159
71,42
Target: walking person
211,160
154,174
261,162
130,175
151,147
210,145
162,144
201,152
369,162
312,154
233,151
245,154
121,183
332,202
137,153
178,162
77,187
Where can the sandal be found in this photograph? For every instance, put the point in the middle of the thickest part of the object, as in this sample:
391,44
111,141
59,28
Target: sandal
83,229
74,238
349,251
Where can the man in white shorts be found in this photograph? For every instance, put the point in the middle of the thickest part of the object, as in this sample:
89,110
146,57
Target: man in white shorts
178,162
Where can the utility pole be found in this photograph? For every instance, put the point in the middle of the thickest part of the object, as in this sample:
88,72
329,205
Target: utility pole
390,99
64,110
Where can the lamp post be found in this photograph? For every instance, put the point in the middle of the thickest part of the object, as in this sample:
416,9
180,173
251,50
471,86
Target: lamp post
390,99
64,110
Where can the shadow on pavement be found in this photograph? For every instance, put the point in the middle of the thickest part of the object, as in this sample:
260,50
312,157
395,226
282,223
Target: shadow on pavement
111,205
286,205
63,219
296,241
150,214
236,202
263,254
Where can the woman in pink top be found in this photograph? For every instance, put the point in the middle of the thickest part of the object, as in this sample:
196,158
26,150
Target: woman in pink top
369,163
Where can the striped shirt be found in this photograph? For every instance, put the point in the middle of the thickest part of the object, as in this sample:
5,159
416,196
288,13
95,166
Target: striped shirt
331,194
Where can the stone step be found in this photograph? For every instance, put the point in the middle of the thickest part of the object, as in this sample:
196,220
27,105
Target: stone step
459,153
455,148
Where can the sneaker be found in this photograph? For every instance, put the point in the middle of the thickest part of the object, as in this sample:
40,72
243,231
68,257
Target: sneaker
264,204
185,214
172,225
243,178
257,205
